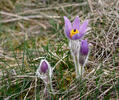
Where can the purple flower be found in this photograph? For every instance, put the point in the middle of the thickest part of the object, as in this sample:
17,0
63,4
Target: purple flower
74,30
84,47
44,71
44,67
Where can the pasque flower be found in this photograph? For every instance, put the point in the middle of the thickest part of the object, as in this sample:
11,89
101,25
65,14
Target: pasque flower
45,72
79,49
74,30
83,55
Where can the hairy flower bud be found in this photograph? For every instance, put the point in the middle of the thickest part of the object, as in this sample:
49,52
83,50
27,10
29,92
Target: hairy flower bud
84,47
44,67
44,71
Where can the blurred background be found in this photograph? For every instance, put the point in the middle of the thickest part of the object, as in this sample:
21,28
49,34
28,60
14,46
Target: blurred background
31,30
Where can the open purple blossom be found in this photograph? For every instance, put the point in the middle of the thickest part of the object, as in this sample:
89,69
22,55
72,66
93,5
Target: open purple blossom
75,31
84,47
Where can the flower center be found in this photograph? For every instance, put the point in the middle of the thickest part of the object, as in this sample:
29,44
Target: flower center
73,32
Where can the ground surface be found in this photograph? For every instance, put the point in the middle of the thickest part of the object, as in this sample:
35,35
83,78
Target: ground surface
31,30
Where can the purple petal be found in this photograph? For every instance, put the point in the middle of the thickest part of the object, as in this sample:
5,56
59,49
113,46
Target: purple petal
83,27
44,67
68,26
76,23
84,47
77,36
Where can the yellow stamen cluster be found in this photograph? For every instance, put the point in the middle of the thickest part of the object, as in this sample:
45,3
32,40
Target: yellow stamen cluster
73,32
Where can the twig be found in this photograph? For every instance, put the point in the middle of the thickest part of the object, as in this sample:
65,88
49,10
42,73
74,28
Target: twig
25,17
90,5
57,8
105,92
28,91
24,76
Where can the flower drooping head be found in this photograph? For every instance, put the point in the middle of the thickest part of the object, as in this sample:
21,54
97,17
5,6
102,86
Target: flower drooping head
84,47
74,30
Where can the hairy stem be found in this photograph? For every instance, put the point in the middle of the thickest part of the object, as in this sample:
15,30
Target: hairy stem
76,65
